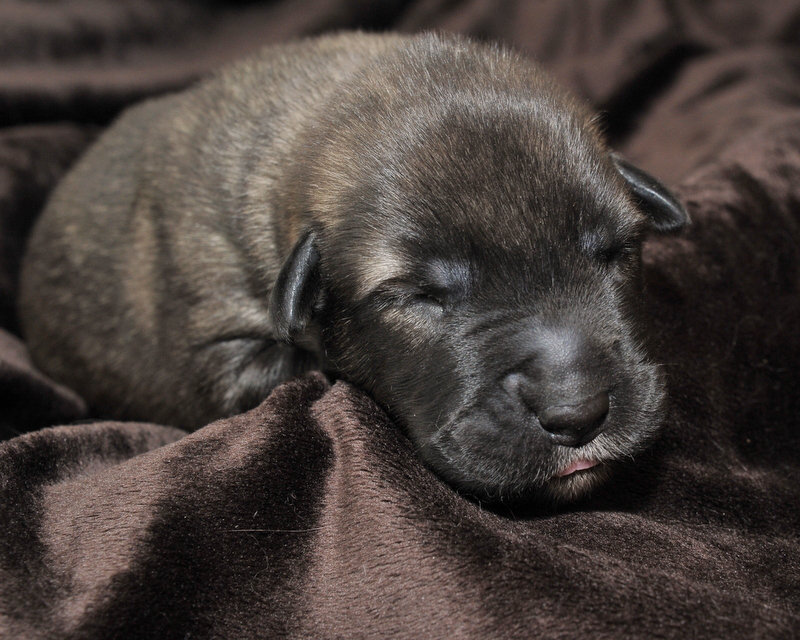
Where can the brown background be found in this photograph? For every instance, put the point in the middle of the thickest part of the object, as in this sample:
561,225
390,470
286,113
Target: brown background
310,516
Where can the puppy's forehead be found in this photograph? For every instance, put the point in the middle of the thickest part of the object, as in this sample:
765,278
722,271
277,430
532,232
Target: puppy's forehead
510,184
482,186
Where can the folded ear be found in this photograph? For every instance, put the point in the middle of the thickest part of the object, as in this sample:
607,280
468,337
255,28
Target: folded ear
295,292
654,199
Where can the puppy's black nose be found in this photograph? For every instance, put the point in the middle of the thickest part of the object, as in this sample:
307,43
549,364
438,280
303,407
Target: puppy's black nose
563,380
575,423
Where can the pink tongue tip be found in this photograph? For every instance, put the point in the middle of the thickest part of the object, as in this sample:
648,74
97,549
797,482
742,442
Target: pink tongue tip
579,465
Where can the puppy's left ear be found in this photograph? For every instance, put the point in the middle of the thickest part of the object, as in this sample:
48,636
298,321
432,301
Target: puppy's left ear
664,210
296,290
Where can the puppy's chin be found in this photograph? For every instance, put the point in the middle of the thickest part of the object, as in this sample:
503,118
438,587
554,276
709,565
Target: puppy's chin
553,490
524,469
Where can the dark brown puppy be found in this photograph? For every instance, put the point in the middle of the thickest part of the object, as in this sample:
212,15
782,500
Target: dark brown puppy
434,216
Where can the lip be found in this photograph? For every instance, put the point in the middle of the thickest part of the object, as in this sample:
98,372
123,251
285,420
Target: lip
578,465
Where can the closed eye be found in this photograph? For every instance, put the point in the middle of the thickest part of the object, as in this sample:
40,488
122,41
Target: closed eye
616,252
612,247
427,297
395,292
435,285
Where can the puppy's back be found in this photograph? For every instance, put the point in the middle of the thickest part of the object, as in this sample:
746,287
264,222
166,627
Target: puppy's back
133,264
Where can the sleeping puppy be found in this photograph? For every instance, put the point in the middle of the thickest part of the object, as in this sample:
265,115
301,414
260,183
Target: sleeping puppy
430,218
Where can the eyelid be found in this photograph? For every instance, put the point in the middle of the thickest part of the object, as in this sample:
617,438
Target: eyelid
627,245
613,250
616,252
608,249
401,290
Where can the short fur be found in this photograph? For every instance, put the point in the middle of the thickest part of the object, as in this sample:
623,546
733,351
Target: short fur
431,218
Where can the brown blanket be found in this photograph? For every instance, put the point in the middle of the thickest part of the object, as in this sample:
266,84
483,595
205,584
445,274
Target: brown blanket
310,516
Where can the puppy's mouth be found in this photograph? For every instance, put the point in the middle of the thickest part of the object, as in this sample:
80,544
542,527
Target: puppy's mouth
579,465
576,479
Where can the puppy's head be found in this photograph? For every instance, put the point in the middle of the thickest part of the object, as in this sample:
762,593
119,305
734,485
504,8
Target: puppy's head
481,279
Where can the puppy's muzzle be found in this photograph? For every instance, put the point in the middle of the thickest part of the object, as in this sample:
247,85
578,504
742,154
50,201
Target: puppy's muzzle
563,382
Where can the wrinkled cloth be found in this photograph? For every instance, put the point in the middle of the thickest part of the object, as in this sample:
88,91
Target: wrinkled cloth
310,516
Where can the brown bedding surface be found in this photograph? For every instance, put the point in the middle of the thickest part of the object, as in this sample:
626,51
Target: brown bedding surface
310,516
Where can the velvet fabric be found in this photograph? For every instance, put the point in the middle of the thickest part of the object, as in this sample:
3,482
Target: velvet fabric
310,516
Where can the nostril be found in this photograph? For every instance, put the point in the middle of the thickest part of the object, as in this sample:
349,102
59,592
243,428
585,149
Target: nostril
577,423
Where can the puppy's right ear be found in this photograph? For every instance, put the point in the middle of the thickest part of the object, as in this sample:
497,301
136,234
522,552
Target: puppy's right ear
295,292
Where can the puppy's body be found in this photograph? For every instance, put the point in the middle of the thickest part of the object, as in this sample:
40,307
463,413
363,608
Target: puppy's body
432,218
